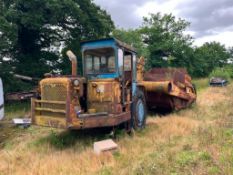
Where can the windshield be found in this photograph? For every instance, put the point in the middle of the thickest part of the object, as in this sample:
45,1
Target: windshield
98,61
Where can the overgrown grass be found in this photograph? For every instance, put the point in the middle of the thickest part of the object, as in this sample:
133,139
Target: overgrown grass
197,140
16,109
17,106
201,84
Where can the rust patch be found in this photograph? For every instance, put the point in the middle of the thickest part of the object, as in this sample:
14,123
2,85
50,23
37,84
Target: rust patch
169,88
104,96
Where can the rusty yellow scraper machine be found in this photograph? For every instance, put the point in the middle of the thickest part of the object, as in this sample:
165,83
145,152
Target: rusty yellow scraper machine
113,90
169,89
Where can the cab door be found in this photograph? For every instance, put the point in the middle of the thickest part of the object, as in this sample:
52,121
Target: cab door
1,101
127,76
125,59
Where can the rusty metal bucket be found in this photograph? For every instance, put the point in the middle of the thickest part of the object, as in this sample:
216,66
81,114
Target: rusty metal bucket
178,93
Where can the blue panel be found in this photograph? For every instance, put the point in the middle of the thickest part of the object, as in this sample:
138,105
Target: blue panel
98,44
103,76
108,76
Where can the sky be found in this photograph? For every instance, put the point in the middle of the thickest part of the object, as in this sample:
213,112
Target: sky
211,20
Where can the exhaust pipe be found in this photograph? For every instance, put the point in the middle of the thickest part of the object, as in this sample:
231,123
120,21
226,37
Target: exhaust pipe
73,60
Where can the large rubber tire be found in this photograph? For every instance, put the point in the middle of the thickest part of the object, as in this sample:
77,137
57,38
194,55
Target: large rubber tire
139,111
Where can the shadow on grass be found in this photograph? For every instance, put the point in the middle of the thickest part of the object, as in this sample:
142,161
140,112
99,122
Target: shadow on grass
79,138
161,112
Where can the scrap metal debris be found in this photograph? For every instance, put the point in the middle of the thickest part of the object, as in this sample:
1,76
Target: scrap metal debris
25,122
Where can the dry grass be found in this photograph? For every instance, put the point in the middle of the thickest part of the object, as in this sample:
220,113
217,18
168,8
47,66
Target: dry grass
185,142
213,95
56,162
173,125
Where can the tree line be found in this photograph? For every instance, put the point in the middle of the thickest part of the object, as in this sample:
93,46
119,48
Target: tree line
35,34
162,40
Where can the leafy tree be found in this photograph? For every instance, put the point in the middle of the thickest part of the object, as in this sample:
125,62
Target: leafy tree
134,38
33,32
162,40
210,56
167,44
230,50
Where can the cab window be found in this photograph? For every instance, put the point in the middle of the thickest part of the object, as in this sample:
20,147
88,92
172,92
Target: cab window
98,61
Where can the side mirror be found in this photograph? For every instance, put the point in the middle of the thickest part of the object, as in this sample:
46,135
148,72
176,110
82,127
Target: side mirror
1,101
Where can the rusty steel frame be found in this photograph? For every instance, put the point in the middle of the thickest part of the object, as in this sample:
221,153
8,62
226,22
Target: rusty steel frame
70,122
73,121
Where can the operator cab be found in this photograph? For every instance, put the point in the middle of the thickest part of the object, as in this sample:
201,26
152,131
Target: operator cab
108,58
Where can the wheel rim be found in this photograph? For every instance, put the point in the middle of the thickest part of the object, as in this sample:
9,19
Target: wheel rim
140,112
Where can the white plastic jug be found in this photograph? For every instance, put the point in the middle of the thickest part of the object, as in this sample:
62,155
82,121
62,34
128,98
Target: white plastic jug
1,101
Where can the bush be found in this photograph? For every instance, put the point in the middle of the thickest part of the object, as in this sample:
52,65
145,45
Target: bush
225,73
229,69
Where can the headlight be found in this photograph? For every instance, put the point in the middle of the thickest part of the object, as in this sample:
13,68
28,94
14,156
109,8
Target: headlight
76,82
